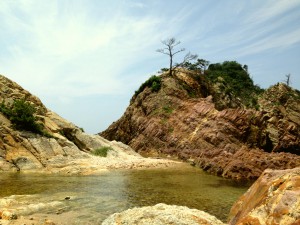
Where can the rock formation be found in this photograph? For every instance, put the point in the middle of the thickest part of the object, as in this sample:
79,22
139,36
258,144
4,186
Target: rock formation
162,214
273,199
66,149
194,121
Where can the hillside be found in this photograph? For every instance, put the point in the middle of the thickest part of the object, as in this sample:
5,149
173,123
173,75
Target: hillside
219,121
33,138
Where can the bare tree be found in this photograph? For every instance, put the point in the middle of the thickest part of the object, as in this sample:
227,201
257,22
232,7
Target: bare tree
288,79
169,50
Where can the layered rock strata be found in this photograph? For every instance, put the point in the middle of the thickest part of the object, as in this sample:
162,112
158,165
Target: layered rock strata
182,120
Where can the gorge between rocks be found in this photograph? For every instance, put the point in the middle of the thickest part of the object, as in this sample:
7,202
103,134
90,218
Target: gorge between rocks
90,199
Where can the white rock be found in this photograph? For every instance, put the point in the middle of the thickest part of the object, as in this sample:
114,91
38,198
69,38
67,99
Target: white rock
162,214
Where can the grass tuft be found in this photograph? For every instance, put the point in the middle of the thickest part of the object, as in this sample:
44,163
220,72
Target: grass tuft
102,152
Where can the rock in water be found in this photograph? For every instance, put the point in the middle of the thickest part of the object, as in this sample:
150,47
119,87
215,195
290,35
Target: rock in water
273,199
162,214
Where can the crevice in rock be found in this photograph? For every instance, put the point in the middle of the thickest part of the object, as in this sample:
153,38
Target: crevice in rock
69,133
268,147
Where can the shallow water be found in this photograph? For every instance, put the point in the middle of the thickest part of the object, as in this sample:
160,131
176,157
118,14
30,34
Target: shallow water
93,198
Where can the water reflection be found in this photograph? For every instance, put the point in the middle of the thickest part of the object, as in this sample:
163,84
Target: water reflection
93,198
190,187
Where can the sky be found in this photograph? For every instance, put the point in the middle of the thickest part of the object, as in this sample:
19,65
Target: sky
85,58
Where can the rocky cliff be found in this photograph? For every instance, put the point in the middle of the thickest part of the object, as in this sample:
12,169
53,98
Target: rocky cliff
65,148
204,123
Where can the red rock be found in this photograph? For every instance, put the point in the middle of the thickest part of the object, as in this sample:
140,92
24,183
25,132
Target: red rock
235,143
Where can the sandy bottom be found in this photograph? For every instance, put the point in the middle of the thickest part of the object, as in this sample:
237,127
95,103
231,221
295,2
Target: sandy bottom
31,214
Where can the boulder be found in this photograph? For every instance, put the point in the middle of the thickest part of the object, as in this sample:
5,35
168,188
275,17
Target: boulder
273,199
162,214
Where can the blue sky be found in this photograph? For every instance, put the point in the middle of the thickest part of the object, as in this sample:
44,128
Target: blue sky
84,59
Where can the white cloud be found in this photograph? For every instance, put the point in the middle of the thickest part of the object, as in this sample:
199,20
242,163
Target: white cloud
270,9
272,42
71,53
63,50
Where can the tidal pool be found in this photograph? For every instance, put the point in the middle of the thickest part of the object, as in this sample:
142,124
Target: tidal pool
93,198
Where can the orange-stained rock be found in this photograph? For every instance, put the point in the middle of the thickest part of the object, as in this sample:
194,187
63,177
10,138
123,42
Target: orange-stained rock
273,199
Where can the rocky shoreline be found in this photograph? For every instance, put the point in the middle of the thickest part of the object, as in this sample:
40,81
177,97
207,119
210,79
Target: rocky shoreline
273,199
233,143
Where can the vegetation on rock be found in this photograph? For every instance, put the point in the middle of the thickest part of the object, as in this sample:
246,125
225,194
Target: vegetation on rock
102,152
236,81
200,65
21,114
228,83
154,82
218,118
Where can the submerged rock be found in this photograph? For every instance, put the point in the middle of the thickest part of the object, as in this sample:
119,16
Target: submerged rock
162,214
273,199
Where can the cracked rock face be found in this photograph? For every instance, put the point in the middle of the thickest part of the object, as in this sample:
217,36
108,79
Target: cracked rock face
273,199
68,149
236,143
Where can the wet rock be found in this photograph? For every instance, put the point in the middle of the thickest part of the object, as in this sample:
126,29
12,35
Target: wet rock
273,199
162,214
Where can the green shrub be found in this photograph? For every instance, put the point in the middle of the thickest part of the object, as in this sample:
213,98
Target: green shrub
168,109
21,115
163,70
154,82
4,110
155,86
237,81
102,152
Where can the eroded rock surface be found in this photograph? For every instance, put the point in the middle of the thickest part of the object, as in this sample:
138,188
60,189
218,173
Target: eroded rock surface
273,199
162,214
182,120
66,151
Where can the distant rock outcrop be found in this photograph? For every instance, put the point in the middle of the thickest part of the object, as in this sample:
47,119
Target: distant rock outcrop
182,120
273,199
68,148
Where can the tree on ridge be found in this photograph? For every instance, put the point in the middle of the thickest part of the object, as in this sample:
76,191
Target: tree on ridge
169,50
